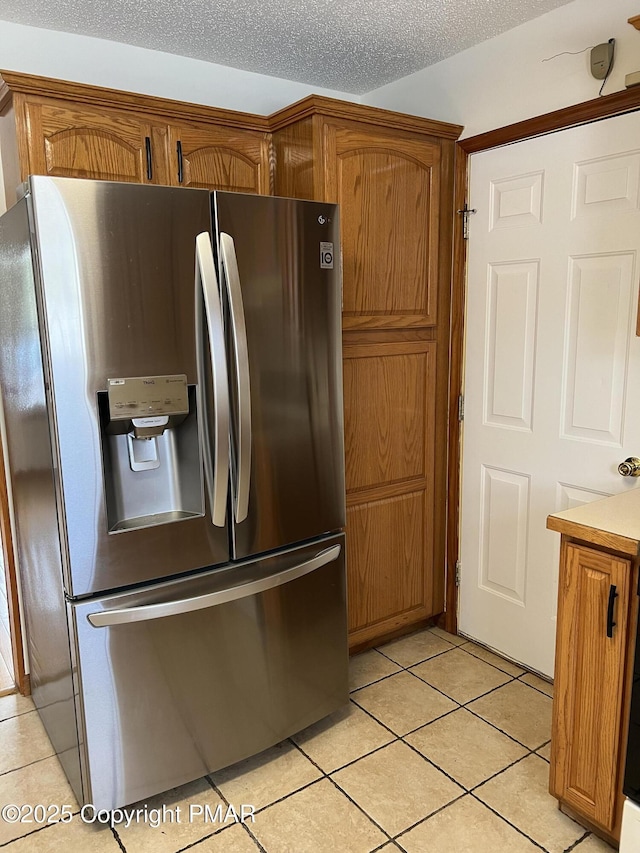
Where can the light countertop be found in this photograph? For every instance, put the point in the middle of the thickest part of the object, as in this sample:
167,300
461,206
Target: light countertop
611,522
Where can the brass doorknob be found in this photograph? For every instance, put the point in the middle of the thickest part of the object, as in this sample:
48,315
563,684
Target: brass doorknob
630,467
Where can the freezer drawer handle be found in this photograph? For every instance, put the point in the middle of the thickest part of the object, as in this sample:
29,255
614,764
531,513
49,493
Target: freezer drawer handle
211,599
241,358
216,469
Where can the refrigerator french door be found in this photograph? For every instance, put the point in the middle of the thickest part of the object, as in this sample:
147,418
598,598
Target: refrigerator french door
282,291
171,402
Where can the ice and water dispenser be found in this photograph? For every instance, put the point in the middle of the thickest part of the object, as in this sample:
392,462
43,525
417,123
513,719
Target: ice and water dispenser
150,451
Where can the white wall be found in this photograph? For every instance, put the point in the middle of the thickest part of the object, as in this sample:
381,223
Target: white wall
504,80
119,66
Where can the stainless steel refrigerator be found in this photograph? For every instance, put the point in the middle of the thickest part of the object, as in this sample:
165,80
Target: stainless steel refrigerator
170,370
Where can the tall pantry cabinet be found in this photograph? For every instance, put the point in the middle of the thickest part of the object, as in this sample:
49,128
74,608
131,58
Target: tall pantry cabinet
392,175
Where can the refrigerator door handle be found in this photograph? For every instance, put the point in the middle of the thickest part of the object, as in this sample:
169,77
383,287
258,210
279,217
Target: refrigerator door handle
207,295
146,612
241,354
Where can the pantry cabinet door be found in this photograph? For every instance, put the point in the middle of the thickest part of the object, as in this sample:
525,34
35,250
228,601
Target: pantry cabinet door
390,411
388,188
395,321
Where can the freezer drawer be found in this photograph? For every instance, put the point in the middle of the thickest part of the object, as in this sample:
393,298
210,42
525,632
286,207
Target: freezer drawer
187,677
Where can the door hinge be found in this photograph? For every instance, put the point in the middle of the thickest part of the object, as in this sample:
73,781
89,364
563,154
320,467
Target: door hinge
465,213
461,407
457,572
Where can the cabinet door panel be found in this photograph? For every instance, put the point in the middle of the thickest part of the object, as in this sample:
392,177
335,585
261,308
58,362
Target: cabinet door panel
386,553
589,685
388,190
220,158
390,455
389,414
86,143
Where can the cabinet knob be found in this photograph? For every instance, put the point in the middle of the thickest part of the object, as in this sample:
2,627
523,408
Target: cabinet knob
630,467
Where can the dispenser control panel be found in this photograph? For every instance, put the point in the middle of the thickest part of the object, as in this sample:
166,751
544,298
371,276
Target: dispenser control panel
147,396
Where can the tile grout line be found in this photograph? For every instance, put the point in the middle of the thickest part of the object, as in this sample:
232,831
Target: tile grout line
508,822
433,764
424,681
119,841
510,680
388,835
510,677
244,825
460,646
33,832
578,841
30,764
529,750
532,686
500,772
467,791
506,734
327,775
451,699
475,787
429,816
15,716
422,660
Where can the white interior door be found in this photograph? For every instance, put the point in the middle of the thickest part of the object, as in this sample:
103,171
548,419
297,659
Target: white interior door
552,366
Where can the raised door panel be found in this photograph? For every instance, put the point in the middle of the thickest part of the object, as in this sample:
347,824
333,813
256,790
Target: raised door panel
388,188
219,158
80,142
387,545
388,391
589,681
390,458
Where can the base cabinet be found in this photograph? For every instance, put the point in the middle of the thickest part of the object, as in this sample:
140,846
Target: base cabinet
596,609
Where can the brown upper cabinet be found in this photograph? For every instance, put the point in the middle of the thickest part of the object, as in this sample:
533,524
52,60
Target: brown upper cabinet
219,158
64,140
52,127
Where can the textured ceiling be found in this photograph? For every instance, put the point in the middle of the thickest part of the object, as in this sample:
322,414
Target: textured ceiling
348,45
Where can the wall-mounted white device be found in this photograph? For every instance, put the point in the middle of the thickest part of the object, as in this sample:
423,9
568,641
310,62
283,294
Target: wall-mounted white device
602,59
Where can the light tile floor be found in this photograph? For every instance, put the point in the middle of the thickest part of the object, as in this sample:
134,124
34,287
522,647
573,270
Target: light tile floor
444,747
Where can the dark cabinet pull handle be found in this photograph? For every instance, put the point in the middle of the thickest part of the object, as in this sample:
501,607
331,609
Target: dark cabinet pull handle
612,600
179,150
147,146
